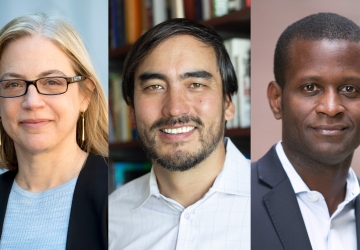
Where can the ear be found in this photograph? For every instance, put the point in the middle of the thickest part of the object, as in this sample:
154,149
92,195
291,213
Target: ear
132,114
274,94
90,86
229,109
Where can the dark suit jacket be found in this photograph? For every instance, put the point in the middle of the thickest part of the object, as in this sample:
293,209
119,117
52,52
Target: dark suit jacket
276,220
88,217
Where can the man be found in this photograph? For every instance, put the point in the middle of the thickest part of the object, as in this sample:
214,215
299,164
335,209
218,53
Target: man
304,193
178,81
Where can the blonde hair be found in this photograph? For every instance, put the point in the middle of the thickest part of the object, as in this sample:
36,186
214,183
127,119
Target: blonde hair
61,33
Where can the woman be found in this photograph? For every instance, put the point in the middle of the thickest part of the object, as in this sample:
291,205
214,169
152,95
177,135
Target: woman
53,139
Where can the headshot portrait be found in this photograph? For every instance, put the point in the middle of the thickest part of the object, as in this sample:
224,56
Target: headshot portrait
53,131
304,185
178,81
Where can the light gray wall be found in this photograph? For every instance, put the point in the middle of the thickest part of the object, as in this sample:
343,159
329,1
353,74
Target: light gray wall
268,20
89,17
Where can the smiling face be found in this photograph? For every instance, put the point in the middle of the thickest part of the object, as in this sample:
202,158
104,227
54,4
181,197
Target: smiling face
39,123
321,100
179,107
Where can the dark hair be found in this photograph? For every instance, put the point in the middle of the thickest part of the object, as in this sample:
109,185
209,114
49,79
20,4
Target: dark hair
316,27
167,29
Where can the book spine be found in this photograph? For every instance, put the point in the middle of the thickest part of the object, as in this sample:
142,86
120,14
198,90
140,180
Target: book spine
177,9
159,11
132,20
206,9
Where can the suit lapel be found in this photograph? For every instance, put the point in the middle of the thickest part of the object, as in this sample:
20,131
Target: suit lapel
282,204
357,220
6,182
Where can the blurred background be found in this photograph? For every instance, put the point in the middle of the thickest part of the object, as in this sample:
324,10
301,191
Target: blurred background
268,20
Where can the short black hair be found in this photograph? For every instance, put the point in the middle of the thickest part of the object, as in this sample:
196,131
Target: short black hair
316,27
178,26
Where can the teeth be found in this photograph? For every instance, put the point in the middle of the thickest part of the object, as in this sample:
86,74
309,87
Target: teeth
175,131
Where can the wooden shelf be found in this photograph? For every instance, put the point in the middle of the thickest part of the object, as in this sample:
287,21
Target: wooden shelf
238,132
235,22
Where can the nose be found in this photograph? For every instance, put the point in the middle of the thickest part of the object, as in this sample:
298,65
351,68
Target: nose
176,103
330,104
32,99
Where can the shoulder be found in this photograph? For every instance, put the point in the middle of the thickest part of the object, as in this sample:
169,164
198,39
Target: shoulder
7,179
96,167
93,180
130,192
7,175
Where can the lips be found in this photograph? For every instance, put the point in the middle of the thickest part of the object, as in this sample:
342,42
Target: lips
330,129
34,123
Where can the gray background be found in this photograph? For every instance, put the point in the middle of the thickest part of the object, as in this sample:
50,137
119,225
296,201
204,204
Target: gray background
89,17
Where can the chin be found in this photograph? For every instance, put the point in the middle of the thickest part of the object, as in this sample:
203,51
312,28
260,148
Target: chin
331,153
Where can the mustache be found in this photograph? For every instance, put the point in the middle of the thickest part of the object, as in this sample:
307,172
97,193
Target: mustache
176,120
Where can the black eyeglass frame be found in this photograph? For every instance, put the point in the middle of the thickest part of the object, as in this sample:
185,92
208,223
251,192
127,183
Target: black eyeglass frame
69,80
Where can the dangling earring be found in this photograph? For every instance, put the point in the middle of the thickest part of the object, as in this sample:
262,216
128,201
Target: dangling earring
83,126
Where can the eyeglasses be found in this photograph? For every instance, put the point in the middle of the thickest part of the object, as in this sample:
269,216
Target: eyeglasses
56,85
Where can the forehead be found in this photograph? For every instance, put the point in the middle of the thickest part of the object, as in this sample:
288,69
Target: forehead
180,52
32,55
322,58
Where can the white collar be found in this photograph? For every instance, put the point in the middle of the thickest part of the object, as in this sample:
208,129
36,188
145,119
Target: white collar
352,183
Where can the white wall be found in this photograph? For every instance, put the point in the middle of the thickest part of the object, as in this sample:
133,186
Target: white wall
89,17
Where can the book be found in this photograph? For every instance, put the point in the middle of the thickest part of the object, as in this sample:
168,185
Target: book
177,9
159,11
239,52
133,22
189,6
206,9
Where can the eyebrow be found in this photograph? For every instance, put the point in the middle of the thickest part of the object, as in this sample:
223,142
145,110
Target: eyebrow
146,76
42,74
196,74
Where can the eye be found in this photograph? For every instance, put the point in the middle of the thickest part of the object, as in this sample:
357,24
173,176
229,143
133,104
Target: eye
155,87
12,84
196,85
52,82
310,88
348,89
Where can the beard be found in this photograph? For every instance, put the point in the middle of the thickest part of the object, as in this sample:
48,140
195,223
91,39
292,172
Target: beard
178,159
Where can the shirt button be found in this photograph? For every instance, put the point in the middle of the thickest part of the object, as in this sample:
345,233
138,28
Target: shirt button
187,216
314,197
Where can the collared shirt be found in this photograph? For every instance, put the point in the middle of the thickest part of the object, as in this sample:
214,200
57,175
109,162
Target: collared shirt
335,232
140,217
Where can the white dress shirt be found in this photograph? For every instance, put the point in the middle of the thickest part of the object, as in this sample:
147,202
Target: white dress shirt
140,217
335,232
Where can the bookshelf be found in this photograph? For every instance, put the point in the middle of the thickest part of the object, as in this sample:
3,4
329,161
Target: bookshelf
234,24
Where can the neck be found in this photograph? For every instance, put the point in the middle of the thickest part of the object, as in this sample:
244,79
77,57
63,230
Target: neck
190,186
42,171
327,178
